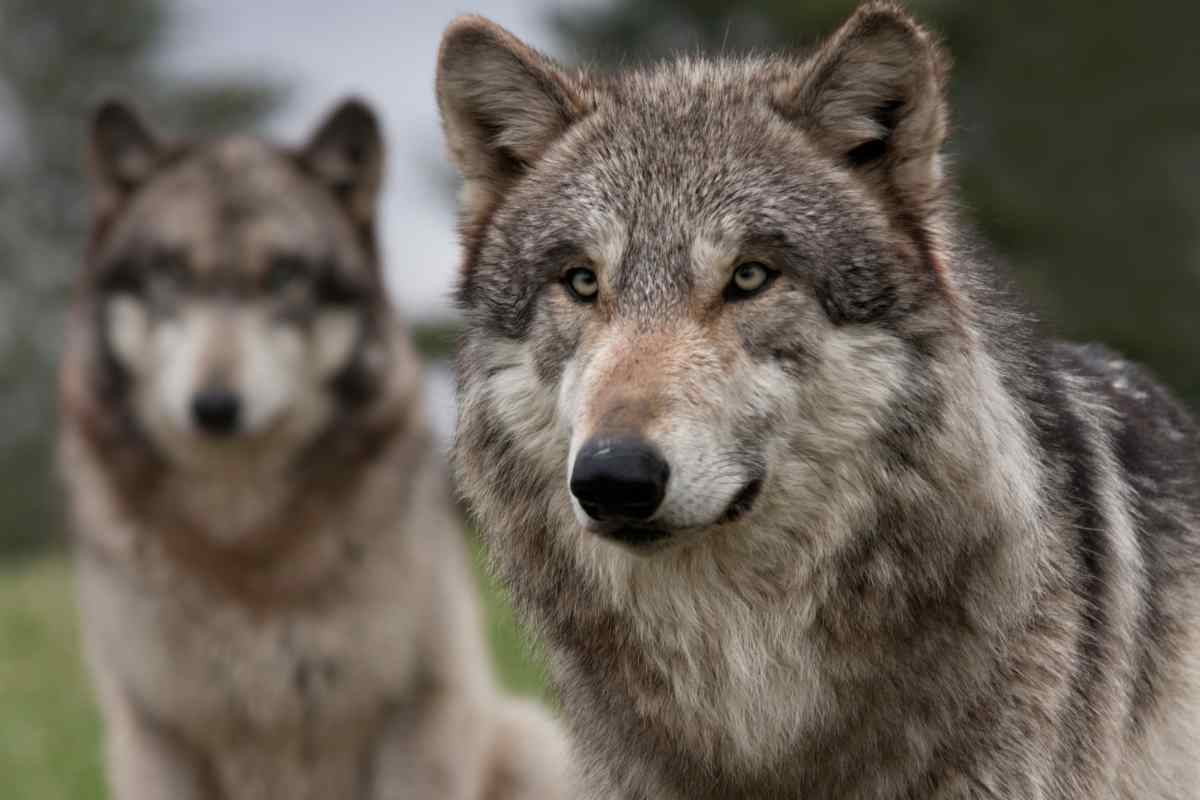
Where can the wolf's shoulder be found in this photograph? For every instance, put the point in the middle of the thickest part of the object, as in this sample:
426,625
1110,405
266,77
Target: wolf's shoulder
1154,436
1153,443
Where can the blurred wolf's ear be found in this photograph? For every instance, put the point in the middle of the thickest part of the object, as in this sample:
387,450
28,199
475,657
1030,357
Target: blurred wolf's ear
346,154
122,153
503,104
873,97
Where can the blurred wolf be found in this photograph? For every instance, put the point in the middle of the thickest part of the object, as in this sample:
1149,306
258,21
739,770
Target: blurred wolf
800,501
276,596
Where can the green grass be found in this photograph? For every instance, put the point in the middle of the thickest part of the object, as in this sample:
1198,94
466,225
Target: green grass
49,728
50,732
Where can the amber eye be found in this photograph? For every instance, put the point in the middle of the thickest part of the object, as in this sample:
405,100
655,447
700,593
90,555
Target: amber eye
582,284
748,280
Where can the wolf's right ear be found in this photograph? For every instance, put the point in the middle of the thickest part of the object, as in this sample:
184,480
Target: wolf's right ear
122,153
502,105
873,95
346,153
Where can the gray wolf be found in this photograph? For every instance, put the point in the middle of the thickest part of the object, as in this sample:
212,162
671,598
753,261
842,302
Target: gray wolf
276,597
801,500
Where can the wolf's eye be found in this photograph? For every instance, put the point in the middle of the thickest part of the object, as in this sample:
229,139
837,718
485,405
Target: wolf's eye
582,284
748,280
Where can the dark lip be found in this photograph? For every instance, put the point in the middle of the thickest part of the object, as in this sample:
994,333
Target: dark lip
636,535
743,502
645,536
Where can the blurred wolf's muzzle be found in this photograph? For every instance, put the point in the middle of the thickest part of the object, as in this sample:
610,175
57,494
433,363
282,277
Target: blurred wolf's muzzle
217,412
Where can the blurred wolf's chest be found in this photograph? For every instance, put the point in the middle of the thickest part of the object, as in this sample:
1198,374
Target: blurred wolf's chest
220,671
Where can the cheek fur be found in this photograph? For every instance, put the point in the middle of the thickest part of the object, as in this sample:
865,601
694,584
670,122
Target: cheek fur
525,404
333,339
127,328
272,359
179,349
556,333
848,397
785,329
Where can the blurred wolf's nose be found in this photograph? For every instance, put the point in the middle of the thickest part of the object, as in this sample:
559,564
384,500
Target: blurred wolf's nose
216,411
619,479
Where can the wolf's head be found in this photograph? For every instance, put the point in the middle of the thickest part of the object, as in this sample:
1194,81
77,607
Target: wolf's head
694,287
232,285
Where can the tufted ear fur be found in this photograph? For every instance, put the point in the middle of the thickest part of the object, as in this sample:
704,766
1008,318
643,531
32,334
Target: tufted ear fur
873,97
502,103
123,152
346,153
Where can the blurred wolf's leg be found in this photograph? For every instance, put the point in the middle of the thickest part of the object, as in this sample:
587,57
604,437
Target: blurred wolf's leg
507,750
528,755
148,762
432,752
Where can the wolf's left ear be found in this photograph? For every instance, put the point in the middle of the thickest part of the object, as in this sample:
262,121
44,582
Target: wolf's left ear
873,97
346,154
503,104
123,153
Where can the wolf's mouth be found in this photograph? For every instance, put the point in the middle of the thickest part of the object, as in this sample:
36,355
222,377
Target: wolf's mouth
642,536
743,502
637,535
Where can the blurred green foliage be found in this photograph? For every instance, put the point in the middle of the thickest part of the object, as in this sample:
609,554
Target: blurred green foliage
1076,142
436,338
58,58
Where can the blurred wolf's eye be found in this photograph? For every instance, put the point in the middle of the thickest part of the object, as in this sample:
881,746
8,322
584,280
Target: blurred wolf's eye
166,279
285,271
748,280
123,277
582,284
164,288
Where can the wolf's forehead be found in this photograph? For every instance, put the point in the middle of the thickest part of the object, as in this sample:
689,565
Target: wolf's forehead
233,195
685,146
700,104
673,169
233,166
245,175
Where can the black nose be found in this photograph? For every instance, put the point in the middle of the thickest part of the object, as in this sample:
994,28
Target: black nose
216,411
624,478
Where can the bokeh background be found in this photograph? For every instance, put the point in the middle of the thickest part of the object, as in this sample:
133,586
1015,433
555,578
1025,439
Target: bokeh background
1076,142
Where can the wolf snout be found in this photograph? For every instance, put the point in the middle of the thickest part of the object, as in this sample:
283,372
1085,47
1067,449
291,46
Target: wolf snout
619,479
216,412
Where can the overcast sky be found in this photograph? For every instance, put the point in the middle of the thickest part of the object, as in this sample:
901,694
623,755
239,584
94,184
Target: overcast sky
383,50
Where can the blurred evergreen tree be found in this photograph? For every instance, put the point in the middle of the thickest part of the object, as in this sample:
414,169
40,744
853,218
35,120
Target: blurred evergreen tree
1076,142
58,58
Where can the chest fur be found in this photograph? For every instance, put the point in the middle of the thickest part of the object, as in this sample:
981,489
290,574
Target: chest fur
196,659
